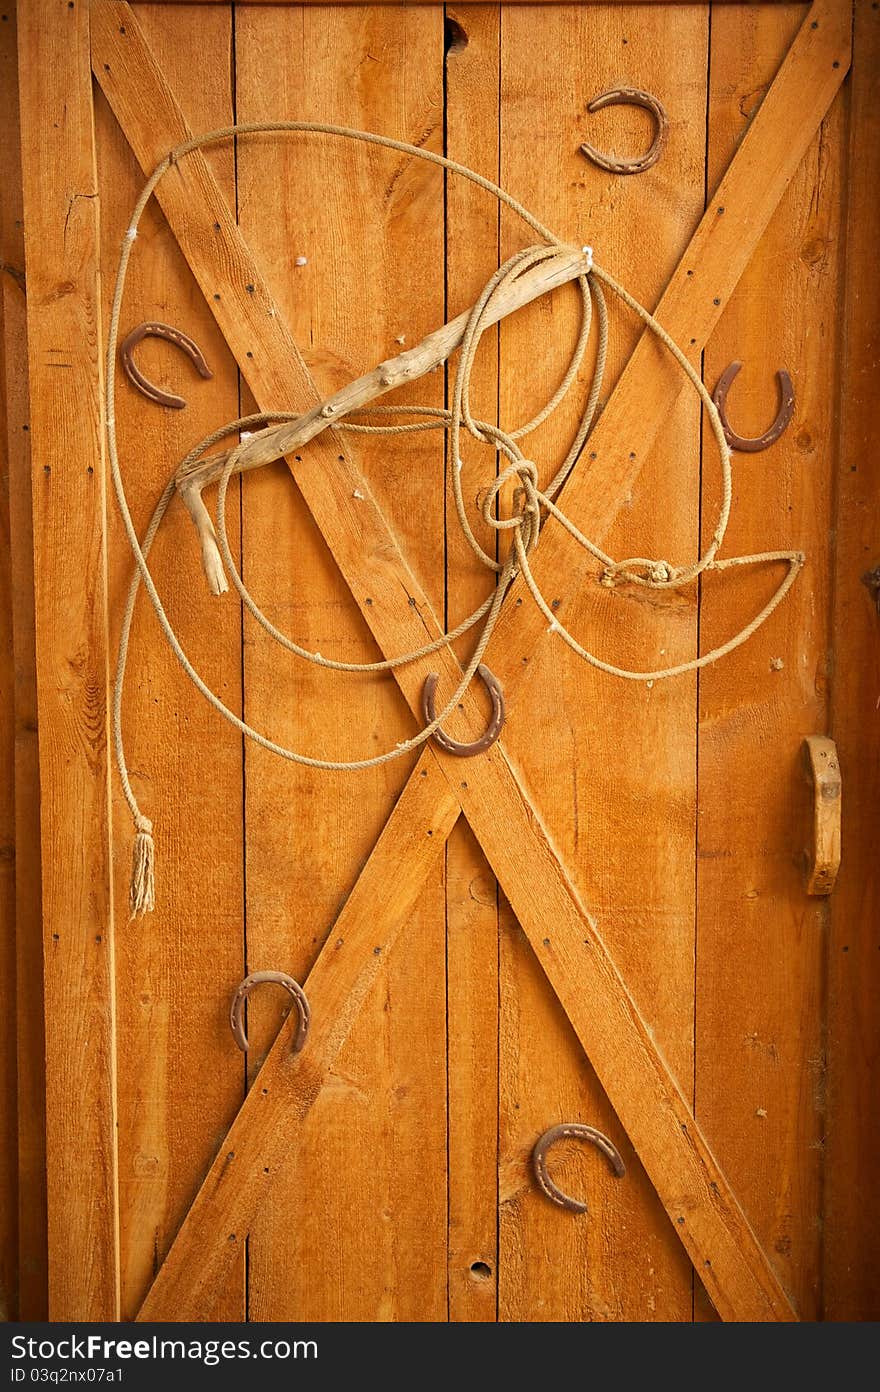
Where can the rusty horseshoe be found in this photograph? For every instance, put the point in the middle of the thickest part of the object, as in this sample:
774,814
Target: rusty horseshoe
577,1131
783,415
257,979
493,729
154,329
630,96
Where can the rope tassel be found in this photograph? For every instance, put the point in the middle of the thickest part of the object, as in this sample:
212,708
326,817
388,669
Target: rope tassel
143,861
551,261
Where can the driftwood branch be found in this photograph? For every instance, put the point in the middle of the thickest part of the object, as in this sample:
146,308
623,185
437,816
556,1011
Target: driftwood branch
276,441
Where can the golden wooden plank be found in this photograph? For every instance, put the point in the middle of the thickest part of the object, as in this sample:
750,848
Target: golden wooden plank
851,1227
759,1032
623,822
472,907
66,428
383,1117
171,1108
25,981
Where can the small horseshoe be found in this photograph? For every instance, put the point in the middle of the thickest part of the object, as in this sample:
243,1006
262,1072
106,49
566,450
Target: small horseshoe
630,96
493,729
578,1132
257,979
153,329
783,415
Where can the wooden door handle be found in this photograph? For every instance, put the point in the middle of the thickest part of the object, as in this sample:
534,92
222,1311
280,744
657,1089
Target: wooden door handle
823,852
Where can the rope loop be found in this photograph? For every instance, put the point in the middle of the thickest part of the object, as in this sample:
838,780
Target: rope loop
526,498
531,504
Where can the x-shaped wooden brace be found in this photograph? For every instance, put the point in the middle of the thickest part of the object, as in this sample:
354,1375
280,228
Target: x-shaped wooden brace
618,1042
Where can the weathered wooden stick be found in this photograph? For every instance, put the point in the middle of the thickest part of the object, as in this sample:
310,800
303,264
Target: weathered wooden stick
276,441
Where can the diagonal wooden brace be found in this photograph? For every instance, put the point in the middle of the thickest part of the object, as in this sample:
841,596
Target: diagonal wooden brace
639,1084
264,1132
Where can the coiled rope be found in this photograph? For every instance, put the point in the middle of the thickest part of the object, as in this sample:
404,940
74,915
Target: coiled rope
532,501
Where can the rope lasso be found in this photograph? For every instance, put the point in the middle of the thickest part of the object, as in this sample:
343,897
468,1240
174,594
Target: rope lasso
525,525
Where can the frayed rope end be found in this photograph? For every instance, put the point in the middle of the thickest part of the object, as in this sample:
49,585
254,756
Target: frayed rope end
143,860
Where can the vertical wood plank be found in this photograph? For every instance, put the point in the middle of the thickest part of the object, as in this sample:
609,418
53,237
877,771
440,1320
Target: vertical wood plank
181,1077
624,823
472,247
378,1130
8,1043
852,1206
24,1015
760,1078
66,390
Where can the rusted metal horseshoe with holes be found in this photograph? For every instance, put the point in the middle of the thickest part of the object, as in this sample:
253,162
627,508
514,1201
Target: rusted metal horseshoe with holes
493,729
743,443
259,978
154,329
573,1130
630,96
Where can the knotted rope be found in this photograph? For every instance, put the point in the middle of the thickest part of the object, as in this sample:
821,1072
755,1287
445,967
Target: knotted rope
531,502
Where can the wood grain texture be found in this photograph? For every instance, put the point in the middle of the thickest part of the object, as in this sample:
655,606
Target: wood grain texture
760,1083
691,306
519,896
365,547
428,355
378,1129
180,1074
8,1043
66,391
747,1288
325,473
623,823
715,257
352,964
430,2
25,1015
772,147
277,372
472,910
851,1233
620,1045
647,1099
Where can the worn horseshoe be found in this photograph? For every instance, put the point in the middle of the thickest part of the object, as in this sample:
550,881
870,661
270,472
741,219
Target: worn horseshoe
154,329
783,415
493,729
630,96
236,1018
578,1132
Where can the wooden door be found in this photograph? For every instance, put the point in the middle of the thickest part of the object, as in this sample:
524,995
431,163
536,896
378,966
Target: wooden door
603,918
